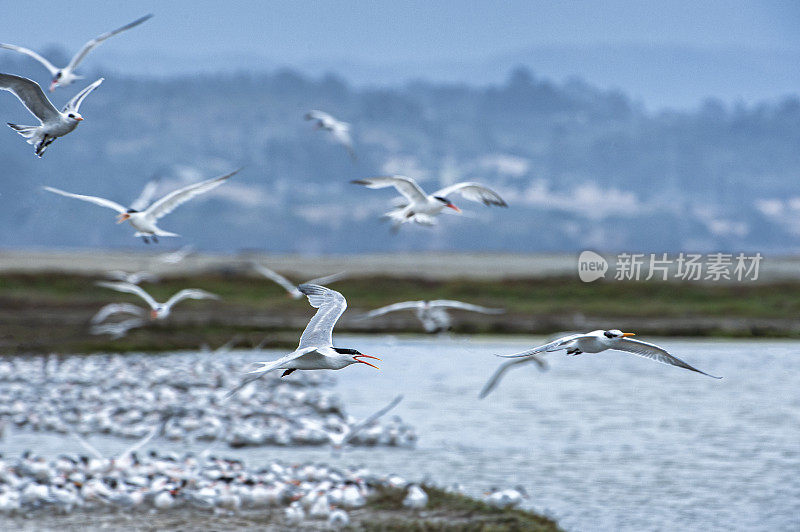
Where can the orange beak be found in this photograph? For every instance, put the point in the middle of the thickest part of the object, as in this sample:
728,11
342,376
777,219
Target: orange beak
122,217
153,315
79,119
358,359
628,334
53,85
453,207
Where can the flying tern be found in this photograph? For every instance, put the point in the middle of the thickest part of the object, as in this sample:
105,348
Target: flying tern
432,314
316,350
145,221
340,130
290,287
54,123
159,311
596,342
422,208
65,76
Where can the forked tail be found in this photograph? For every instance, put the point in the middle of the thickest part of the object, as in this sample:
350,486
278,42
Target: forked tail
25,131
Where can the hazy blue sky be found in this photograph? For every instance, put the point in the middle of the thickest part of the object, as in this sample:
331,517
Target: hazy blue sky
610,43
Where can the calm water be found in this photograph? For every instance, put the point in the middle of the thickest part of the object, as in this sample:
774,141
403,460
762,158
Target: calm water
601,442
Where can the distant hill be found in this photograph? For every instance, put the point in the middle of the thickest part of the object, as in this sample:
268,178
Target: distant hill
580,167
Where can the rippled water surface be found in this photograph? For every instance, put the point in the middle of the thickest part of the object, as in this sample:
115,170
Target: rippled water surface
601,442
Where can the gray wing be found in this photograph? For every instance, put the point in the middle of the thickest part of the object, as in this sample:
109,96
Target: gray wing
89,46
653,352
278,279
332,278
556,345
91,199
189,293
405,305
130,289
31,95
331,305
115,308
474,192
75,103
465,306
146,196
371,419
47,64
172,200
404,185
494,380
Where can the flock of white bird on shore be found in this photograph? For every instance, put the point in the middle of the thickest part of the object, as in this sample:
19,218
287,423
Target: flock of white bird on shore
267,414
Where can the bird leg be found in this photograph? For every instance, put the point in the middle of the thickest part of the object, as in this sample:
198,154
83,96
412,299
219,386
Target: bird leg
146,241
154,239
574,351
288,372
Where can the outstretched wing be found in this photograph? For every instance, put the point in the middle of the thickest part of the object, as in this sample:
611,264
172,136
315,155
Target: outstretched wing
331,305
31,95
115,308
130,289
494,380
327,279
371,419
653,352
146,196
189,293
405,305
555,345
172,200
448,303
473,192
404,185
91,199
89,46
278,279
75,103
47,64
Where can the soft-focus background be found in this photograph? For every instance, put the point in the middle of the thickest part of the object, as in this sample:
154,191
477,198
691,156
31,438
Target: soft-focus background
652,127
613,125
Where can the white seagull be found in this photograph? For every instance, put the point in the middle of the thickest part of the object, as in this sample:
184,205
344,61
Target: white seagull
145,221
54,123
422,208
432,314
316,350
65,76
159,311
340,130
596,342
290,287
